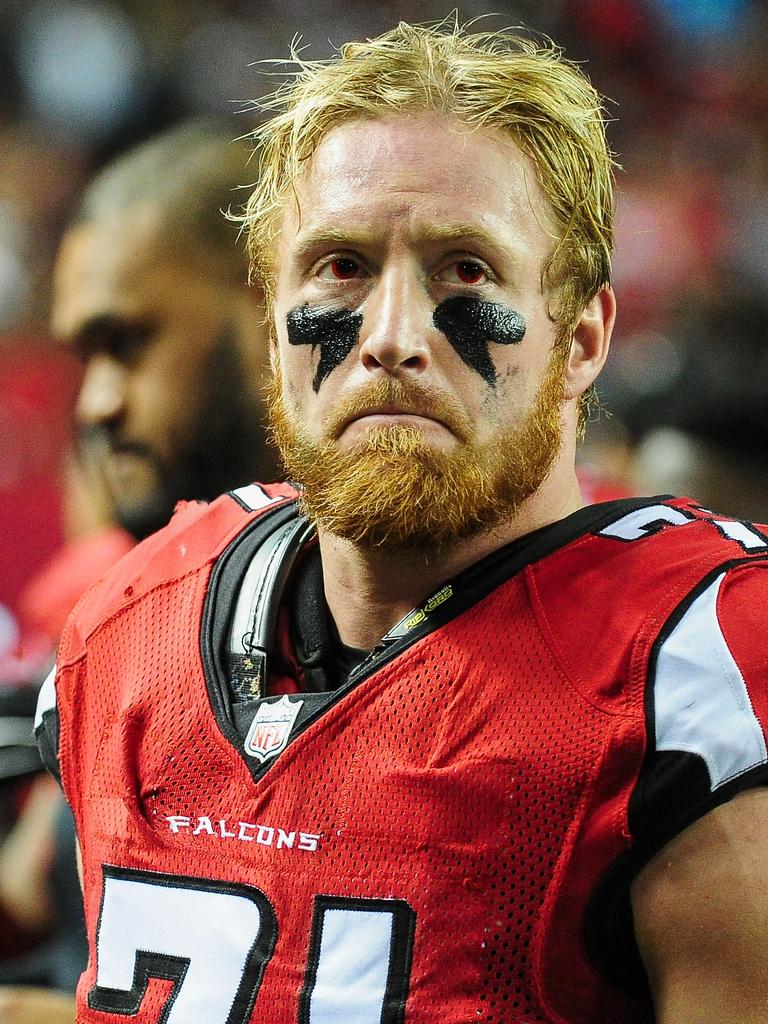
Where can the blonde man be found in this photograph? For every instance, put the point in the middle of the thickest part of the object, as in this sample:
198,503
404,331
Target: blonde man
425,740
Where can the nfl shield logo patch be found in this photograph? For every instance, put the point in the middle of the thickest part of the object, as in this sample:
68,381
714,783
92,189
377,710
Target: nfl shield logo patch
271,728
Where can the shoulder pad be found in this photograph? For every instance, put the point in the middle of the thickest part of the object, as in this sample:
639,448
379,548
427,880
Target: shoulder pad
194,537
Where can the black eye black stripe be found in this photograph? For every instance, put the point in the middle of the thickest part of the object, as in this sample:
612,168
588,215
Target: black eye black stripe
334,331
470,325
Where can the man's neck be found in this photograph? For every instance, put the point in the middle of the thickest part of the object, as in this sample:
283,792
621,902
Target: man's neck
368,590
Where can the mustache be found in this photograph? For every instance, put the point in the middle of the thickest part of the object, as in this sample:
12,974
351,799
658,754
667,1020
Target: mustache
408,397
99,441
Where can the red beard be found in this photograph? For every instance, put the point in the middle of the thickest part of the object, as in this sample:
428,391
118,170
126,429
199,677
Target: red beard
395,489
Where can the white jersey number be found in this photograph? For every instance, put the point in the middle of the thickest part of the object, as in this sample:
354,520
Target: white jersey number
213,940
652,518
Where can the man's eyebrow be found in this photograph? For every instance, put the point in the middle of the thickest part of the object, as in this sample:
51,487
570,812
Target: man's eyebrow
307,242
90,333
455,233
86,333
101,323
501,250
429,234
101,329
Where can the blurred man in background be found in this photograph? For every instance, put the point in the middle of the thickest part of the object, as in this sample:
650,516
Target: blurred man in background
151,292
150,289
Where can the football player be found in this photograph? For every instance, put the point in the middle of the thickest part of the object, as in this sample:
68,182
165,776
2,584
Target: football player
151,292
423,739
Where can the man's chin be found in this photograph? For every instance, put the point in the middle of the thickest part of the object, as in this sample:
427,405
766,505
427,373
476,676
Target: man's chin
413,498
142,495
398,489
133,474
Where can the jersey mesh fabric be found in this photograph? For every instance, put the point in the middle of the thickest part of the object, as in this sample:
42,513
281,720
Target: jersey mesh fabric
483,777
438,781
523,805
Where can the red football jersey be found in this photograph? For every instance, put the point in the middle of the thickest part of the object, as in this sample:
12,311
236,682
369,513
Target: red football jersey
447,837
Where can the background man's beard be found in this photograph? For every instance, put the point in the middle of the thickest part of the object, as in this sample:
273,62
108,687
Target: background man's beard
226,446
393,488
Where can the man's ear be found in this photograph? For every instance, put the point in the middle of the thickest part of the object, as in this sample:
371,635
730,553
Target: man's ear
590,342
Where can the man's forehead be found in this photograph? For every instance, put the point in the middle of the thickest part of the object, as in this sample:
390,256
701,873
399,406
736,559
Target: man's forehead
424,168
109,246
412,148
102,267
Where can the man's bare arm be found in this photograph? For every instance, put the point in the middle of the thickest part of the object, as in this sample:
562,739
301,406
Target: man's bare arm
21,1005
701,918
25,857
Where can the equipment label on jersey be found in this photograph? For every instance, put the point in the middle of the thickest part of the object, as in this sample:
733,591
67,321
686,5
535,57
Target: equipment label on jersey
271,728
417,615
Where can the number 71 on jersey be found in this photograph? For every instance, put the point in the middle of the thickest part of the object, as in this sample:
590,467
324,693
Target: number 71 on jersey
214,940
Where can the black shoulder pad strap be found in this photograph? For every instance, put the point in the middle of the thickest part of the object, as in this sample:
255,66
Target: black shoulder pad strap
46,726
254,616
271,542
47,736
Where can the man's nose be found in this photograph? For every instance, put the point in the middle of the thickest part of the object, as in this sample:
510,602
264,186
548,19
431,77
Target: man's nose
396,326
103,391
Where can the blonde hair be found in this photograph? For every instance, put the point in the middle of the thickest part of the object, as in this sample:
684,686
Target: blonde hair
498,80
483,80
